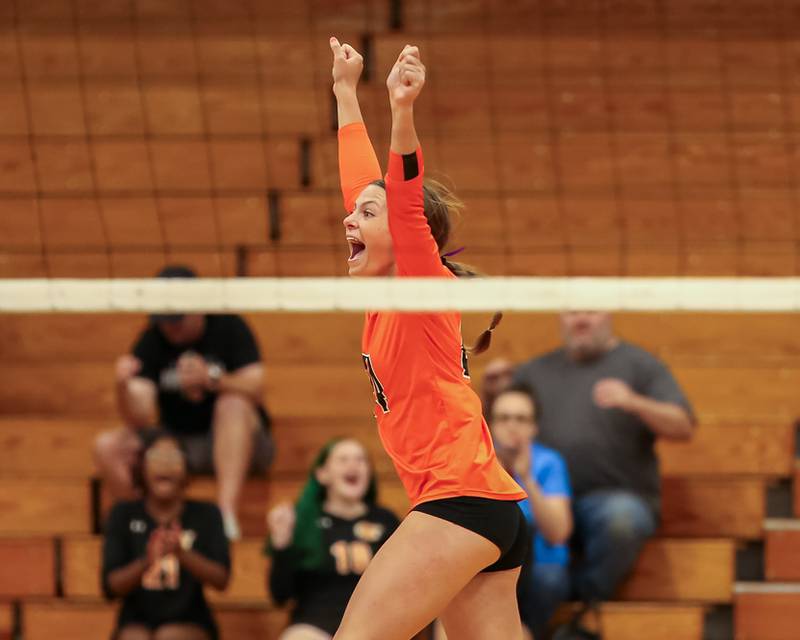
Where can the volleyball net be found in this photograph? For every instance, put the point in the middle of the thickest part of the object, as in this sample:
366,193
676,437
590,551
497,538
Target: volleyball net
238,295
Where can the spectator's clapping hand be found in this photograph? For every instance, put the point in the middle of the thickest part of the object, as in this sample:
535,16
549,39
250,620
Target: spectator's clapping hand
171,538
280,524
155,546
406,78
127,367
193,376
612,393
347,65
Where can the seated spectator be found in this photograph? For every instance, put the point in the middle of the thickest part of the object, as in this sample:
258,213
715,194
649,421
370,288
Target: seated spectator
200,378
159,552
496,376
322,545
541,471
602,405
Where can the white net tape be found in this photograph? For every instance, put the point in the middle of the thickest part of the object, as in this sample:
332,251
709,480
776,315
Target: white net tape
403,294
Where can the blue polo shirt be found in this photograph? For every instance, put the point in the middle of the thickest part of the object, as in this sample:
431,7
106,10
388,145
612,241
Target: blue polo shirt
550,472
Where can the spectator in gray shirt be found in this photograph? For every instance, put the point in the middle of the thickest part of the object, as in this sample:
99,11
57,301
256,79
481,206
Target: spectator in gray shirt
603,404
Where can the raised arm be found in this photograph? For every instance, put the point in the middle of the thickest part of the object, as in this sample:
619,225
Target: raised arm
415,250
358,164
405,83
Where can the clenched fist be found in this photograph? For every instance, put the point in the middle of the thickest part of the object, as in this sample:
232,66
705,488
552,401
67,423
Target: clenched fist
347,65
406,78
280,523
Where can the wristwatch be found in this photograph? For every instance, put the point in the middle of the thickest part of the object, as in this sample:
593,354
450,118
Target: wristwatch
215,374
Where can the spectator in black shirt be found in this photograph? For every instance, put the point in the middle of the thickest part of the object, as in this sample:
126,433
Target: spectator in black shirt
200,378
322,545
161,550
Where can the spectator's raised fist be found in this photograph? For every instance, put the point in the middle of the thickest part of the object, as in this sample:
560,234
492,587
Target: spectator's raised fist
347,65
406,78
612,393
280,523
127,367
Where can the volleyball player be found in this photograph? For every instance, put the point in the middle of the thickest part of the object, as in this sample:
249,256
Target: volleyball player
458,552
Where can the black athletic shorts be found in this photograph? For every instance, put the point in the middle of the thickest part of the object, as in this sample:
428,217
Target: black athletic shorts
499,521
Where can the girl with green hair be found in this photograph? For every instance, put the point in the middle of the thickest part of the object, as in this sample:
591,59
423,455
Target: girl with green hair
322,544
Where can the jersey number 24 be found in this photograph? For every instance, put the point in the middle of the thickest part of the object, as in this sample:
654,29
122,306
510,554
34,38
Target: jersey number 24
380,392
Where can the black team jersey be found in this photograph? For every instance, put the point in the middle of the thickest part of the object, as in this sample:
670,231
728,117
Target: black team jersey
167,593
321,596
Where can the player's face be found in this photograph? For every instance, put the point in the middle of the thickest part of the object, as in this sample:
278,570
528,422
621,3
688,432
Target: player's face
346,473
164,470
512,421
368,237
587,334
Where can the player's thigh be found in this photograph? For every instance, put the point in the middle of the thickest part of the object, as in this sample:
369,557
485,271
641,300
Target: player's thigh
304,632
422,566
485,609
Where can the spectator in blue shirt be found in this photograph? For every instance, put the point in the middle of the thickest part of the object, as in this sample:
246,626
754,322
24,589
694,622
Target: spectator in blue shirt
543,474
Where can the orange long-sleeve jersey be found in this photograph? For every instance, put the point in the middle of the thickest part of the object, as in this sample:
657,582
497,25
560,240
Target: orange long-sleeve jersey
429,418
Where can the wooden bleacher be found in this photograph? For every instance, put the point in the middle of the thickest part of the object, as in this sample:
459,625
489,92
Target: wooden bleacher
781,561
139,133
598,165
714,487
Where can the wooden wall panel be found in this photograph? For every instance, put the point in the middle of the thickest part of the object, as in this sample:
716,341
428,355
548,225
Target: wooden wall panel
650,107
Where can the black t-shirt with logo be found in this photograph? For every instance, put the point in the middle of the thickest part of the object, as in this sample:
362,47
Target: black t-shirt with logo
168,593
321,596
227,341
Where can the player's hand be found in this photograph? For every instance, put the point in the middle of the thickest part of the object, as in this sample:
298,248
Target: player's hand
612,393
406,78
126,367
193,376
347,65
280,524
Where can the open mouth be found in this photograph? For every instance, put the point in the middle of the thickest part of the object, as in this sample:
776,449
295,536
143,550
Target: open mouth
352,479
356,249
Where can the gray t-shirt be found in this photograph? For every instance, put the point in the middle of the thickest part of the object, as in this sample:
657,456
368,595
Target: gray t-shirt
604,448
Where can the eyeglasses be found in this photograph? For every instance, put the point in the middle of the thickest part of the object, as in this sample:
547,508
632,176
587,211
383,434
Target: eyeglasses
512,417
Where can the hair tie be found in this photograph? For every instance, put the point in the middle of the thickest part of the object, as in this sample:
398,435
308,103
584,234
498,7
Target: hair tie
455,252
